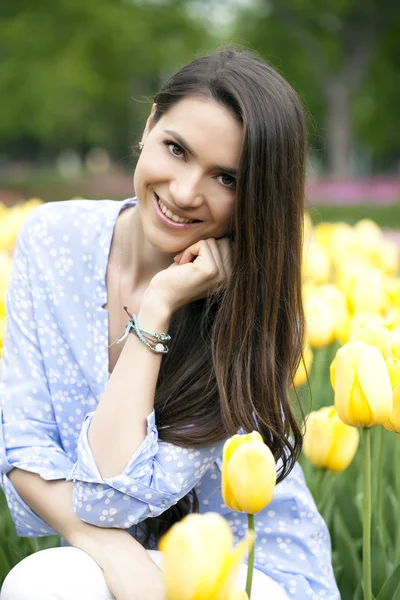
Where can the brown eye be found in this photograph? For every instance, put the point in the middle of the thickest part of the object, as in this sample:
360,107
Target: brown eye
227,180
174,148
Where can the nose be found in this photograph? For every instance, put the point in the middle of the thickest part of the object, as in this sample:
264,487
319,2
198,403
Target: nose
186,191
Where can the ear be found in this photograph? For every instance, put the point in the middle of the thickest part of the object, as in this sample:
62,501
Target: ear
149,123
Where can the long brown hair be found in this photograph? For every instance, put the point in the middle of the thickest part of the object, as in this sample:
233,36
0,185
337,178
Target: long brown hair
233,356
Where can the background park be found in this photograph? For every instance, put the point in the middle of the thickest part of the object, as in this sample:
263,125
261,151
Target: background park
76,84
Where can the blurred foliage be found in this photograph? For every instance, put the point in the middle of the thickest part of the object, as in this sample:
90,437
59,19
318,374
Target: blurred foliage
79,73
347,42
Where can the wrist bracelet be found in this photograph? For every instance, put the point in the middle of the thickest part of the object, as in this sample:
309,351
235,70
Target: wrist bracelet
133,326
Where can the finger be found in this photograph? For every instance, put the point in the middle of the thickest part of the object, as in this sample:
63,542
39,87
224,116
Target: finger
201,255
216,252
226,249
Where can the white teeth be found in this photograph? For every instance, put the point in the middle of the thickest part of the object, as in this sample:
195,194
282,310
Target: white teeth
171,215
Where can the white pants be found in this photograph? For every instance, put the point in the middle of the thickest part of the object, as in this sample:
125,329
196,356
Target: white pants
71,574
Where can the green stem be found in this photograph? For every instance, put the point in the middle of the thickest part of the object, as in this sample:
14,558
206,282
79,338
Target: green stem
379,492
250,563
367,514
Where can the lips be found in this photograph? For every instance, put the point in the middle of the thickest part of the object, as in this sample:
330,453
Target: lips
164,208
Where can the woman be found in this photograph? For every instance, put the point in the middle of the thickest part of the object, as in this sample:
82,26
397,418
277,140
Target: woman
108,444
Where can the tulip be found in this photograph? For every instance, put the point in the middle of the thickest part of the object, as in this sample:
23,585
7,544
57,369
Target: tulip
248,481
343,242
316,262
328,443
369,237
394,343
319,318
337,302
248,473
388,257
200,562
366,292
393,423
374,335
362,319
363,392
392,317
392,287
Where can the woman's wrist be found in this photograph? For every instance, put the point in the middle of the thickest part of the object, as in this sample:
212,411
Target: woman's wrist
154,314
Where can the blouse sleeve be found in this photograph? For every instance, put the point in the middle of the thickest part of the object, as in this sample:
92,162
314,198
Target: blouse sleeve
157,475
29,436
155,478
293,543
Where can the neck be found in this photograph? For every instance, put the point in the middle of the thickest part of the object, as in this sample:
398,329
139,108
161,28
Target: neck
140,260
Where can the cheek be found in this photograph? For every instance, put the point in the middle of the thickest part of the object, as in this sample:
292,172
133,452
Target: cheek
151,168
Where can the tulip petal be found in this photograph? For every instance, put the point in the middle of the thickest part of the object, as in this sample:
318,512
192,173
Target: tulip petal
359,411
375,382
251,473
393,367
195,554
344,448
318,438
344,378
229,448
238,594
232,564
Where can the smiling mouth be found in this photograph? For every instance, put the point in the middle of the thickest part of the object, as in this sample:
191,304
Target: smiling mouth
170,215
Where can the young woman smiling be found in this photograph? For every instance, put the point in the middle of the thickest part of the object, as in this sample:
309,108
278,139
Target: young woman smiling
109,444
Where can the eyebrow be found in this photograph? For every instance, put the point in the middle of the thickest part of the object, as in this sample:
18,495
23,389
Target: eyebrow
185,145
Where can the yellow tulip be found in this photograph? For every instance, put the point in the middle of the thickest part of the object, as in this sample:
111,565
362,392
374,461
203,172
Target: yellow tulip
324,234
374,335
248,473
392,287
304,367
200,562
394,343
328,443
238,594
363,393
369,237
392,318
319,318
393,423
336,300
362,319
366,292
343,242
388,257
316,262
349,270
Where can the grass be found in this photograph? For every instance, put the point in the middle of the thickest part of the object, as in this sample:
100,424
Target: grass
384,216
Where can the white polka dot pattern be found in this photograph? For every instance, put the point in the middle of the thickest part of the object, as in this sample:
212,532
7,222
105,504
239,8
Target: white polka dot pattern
55,368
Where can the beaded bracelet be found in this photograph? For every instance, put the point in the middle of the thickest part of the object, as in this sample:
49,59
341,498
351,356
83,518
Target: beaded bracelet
133,326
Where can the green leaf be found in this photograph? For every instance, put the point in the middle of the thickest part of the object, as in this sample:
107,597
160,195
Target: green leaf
391,587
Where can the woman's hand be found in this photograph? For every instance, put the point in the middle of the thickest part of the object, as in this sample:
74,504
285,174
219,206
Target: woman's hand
133,577
199,271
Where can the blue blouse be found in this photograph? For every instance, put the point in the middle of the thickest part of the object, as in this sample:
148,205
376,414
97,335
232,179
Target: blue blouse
55,368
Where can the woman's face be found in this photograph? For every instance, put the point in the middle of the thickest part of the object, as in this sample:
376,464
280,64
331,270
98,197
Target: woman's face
187,166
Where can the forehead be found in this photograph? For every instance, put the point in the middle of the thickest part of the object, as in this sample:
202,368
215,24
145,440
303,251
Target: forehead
207,126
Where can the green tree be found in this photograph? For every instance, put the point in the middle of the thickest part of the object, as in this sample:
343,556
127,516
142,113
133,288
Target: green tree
327,51
71,72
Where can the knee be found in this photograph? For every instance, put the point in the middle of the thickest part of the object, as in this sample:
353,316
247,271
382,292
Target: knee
64,573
